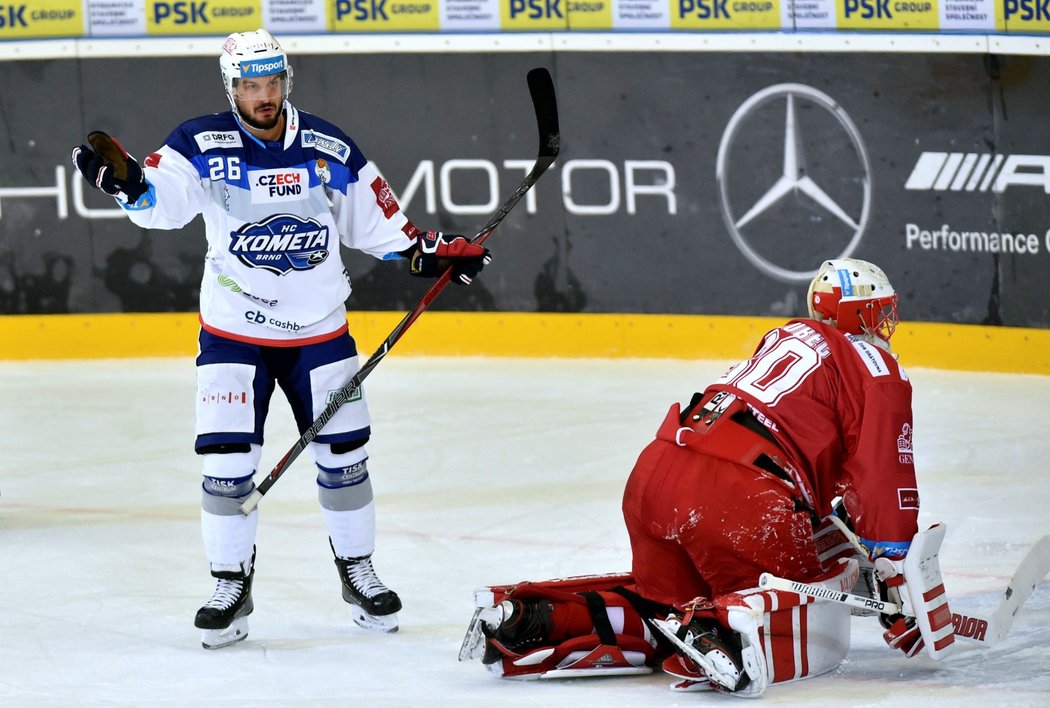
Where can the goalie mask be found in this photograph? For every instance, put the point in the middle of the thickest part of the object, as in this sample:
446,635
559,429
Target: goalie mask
255,69
854,296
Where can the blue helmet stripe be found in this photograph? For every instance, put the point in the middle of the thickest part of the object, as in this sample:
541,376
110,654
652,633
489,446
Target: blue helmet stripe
845,282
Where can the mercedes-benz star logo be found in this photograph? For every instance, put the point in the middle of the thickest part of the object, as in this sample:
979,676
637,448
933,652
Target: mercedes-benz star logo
821,222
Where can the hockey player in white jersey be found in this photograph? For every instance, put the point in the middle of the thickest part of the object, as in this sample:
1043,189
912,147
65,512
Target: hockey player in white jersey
279,190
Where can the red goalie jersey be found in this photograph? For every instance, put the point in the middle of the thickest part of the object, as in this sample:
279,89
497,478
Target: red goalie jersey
840,408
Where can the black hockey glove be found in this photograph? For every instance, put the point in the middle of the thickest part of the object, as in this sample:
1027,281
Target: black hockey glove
436,251
110,168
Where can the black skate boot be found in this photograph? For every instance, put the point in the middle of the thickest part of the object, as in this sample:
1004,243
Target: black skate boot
223,620
521,625
373,605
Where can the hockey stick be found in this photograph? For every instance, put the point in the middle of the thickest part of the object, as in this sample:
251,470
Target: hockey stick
980,629
545,104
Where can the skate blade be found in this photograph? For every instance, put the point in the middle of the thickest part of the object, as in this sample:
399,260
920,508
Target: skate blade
721,672
219,638
373,623
473,646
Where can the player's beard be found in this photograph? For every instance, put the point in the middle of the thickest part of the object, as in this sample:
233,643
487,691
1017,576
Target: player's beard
261,123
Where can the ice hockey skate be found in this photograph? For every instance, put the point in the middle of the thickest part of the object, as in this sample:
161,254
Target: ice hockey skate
373,605
223,620
716,654
514,626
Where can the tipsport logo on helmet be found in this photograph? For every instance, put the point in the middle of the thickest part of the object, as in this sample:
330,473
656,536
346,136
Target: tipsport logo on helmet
281,244
262,67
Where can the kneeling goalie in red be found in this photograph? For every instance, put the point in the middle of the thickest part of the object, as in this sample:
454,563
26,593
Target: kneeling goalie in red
597,626
746,481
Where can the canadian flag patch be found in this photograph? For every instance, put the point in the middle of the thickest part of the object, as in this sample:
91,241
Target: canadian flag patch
384,197
152,160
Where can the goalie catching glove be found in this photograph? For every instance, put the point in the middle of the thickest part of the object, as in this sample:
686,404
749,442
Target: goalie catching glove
435,251
108,167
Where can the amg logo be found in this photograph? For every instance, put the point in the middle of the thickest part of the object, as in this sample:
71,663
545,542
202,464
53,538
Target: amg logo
970,172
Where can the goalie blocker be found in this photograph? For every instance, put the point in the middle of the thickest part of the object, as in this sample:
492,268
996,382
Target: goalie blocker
738,643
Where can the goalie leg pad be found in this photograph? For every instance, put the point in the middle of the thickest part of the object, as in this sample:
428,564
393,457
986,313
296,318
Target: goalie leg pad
925,590
760,637
609,648
800,637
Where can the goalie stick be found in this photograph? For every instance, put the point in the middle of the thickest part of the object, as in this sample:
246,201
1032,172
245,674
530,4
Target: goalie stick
980,629
544,103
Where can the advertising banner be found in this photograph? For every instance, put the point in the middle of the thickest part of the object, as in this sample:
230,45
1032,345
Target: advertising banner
888,14
116,18
969,15
641,14
193,17
135,18
676,191
534,15
386,16
470,15
291,16
725,14
41,18
809,14
589,14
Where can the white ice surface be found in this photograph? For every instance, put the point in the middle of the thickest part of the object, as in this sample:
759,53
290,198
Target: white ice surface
485,471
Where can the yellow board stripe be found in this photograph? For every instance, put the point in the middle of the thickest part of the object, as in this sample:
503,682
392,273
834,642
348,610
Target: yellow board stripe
521,334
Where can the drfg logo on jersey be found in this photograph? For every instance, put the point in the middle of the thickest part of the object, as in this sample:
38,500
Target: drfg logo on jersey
794,181
281,244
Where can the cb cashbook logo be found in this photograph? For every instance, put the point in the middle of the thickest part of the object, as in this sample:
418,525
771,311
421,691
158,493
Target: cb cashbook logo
776,194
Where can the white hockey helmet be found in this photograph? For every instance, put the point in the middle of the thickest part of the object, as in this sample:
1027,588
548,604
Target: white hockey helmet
854,296
253,54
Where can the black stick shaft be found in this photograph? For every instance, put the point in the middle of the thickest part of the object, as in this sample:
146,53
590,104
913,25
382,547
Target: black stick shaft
544,102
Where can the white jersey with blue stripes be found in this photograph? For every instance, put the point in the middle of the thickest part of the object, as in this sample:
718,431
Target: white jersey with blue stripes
274,215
